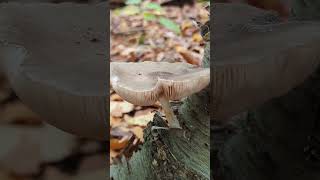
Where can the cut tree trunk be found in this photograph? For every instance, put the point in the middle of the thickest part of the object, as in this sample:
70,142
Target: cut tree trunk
174,154
278,140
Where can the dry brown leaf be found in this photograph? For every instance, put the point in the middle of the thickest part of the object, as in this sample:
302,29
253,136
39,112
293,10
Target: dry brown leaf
197,37
138,131
115,97
118,108
16,112
116,144
141,120
145,111
23,149
188,57
186,24
115,121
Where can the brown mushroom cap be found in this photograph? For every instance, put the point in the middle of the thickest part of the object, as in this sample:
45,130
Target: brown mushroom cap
54,67
143,83
253,67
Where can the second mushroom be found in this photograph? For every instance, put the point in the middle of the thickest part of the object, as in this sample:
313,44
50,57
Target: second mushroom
146,82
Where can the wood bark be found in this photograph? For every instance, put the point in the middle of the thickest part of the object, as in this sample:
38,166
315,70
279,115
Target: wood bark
174,154
278,140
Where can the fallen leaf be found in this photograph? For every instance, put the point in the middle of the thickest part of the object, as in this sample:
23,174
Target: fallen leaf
197,37
169,24
187,56
186,24
138,131
130,10
115,97
116,144
118,108
115,121
24,149
140,120
16,112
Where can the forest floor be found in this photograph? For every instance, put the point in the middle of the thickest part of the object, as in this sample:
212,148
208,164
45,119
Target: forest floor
135,37
31,150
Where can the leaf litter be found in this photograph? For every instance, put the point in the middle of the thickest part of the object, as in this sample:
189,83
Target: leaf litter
157,33
146,31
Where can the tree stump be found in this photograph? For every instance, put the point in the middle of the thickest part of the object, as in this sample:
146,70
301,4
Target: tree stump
174,154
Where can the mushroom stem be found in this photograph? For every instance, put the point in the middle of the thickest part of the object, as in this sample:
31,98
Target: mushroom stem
172,119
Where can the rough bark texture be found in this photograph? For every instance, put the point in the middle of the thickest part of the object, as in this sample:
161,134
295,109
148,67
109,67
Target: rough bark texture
278,140
174,154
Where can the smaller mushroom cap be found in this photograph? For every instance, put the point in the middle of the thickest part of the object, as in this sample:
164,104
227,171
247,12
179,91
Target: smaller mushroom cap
144,83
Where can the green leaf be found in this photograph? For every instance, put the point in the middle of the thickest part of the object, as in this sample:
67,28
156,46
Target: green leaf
133,2
153,6
141,39
116,12
169,24
149,16
130,10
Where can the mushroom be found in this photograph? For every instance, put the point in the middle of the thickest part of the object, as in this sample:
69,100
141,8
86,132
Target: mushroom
144,83
54,66
251,67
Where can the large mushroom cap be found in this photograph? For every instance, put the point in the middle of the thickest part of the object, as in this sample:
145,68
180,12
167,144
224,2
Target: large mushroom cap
143,83
54,66
255,62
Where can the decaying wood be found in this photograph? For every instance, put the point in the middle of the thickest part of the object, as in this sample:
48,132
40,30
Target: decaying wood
279,139
174,154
